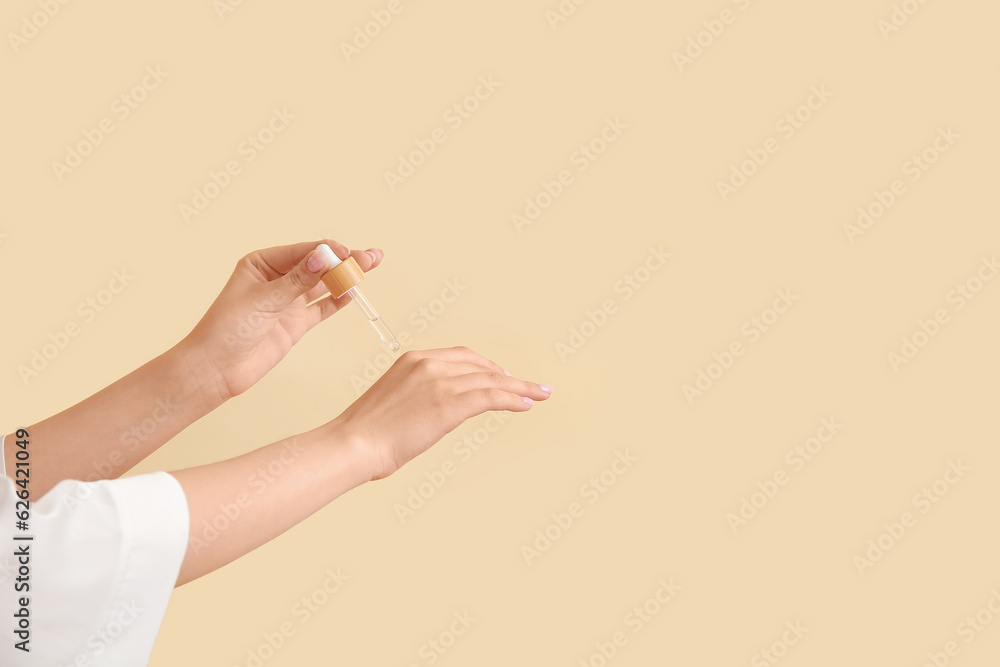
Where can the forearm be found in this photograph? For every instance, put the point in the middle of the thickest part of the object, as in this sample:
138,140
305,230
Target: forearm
239,504
106,434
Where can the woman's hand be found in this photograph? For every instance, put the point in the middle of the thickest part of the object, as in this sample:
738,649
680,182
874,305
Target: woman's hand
422,397
264,309
425,395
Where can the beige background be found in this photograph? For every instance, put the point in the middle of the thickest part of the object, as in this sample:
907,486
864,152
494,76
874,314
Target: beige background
666,517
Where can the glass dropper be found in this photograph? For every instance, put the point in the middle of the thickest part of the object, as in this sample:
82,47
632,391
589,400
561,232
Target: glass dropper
343,278
383,330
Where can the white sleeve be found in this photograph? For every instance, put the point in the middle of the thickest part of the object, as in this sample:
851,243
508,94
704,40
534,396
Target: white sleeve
101,567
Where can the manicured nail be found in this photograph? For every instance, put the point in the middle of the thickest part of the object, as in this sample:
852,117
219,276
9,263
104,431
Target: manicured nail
528,400
374,256
321,258
506,371
546,388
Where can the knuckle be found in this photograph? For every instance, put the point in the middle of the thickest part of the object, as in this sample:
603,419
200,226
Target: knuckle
246,261
410,360
426,365
294,278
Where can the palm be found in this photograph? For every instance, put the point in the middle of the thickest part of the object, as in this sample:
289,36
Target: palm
266,345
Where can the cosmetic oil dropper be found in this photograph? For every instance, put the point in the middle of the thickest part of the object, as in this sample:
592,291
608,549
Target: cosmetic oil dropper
343,278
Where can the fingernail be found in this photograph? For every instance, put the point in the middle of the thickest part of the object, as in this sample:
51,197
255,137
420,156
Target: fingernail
528,400
373,256
321,258
506,371
546,388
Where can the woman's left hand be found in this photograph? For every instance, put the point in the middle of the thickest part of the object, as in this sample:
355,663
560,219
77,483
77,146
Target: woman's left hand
264,310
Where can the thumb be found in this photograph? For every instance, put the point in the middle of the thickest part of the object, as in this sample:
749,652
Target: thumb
305,275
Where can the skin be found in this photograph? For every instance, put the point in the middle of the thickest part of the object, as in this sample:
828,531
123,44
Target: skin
272,299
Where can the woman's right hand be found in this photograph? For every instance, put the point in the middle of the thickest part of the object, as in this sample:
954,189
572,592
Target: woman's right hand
425,395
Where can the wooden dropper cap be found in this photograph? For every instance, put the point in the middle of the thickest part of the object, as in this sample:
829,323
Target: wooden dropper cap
343,276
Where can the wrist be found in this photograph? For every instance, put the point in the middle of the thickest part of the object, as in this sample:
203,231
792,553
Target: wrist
203,385
355,450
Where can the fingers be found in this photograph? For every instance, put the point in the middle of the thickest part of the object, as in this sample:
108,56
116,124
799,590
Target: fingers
279,260
434,367
368,259
317,292
486,399
467,376
326,307
477,383
296,270
459,354
471,382
304,276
